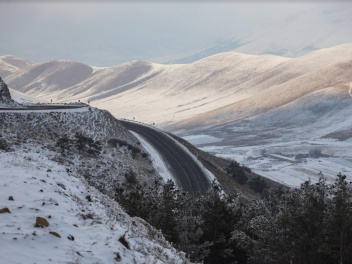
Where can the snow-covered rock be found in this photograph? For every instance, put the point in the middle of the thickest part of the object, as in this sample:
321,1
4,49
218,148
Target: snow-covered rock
5,96
4,92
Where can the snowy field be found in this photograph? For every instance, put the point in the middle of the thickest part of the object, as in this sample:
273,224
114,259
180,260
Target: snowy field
84,226
277,160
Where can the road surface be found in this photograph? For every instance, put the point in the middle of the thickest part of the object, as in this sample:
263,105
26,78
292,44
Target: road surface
190,177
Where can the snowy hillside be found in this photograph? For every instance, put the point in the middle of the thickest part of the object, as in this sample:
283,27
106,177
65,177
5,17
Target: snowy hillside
220,88
23,98
59,173
10,63
286,83
82,225
111,151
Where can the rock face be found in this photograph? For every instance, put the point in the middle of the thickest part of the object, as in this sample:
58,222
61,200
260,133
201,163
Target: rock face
5,95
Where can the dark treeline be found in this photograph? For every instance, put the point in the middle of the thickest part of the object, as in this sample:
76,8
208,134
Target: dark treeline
312,224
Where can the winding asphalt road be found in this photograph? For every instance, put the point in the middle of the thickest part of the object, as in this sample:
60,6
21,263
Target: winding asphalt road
184,168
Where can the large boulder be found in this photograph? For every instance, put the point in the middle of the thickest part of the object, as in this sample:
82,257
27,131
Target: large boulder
5,95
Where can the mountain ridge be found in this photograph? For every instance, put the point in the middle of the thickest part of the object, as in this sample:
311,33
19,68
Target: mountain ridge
176,95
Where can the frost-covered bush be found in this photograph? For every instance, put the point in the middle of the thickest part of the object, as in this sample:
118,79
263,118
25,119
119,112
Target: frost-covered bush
4,145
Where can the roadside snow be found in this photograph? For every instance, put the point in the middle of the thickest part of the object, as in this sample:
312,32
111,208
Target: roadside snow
206,172
158,162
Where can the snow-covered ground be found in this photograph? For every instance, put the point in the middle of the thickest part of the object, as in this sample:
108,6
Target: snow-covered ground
38,179
92,227
201,139
24,98
337,158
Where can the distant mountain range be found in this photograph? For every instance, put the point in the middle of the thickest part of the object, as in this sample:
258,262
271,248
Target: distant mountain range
221,89
289,36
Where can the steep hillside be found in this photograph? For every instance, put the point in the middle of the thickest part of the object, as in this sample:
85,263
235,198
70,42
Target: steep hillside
49,214
93,144
5,96
60,170
328,74
23,98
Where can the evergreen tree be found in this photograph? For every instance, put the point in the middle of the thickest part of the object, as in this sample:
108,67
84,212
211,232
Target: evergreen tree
220,217
237,172
64,143
339,222
88,145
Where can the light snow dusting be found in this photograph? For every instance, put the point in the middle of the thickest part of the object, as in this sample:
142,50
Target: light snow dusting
84,226
158,161
56,205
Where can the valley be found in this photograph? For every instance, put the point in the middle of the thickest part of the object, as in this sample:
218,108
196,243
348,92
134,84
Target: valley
278,161
242,103
284,123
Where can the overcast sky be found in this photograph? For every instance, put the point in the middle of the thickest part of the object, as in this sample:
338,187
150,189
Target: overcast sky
104,33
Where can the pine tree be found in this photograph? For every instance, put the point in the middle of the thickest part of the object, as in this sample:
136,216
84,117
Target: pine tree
339,223
64,143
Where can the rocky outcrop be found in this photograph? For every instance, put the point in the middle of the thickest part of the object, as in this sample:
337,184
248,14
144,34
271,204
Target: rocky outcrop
5,95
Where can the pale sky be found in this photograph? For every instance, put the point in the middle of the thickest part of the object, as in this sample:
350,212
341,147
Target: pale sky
105,33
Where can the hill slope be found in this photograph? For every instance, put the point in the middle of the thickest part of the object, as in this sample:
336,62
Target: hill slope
63,167
221,88
84,226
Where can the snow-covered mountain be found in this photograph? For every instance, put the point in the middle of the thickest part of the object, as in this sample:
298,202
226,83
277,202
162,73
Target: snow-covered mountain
302,31
287,83
10,63
219,89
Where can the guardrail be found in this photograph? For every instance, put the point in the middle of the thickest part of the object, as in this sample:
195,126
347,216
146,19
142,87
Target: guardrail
44,106
144,124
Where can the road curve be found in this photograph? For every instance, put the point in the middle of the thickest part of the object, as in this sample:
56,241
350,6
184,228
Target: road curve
184,168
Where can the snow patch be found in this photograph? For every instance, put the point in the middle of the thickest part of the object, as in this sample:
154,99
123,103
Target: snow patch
89,224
